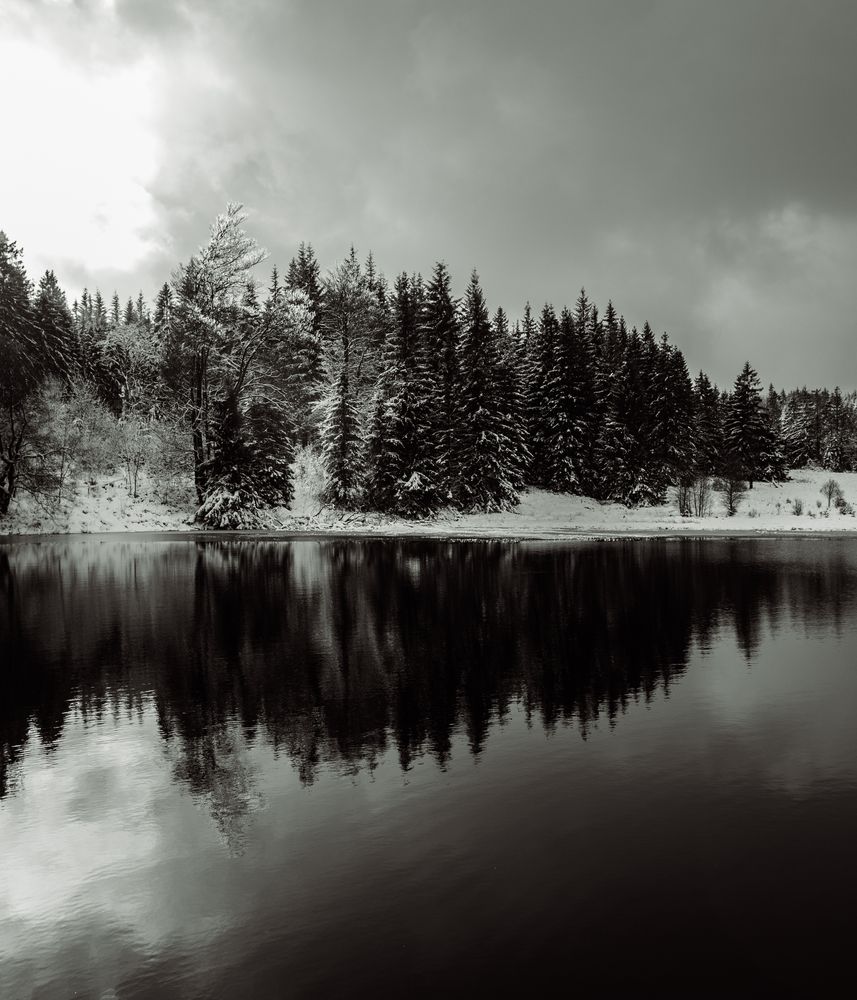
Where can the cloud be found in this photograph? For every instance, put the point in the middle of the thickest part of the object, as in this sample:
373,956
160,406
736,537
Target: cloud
639,148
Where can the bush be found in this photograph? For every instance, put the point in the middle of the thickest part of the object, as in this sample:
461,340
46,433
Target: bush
700,496
682,499
842,505
798,507
732,490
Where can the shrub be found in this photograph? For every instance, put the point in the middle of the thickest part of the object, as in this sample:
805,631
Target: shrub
700,496
798,507
732,490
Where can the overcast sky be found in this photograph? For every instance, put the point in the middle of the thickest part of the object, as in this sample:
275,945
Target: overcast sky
694,161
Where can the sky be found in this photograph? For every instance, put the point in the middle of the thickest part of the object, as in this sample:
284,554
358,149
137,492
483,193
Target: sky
692,161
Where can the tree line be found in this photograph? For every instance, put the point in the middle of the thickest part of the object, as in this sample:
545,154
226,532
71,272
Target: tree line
417,399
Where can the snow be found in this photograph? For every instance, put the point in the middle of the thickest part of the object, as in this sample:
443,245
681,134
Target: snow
766,509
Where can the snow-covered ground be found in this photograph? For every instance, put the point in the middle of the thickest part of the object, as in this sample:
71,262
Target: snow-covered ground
766,508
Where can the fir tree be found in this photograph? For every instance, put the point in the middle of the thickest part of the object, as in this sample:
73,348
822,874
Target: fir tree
486,440
55,322
229,499
707,427
562,443
347,305
745,428
540,364
439,334
402,459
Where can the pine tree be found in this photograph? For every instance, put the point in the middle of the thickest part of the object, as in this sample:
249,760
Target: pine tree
271,453
346,340
589,409
229,499
745,428
708,429
439,333
512,373
794,433
540,364
163,314
562,441
402,458
486,439
672,405
55,322
839,421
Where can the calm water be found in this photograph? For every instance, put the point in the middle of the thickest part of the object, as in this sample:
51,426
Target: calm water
325,768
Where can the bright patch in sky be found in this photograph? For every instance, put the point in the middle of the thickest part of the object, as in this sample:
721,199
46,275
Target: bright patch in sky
80,151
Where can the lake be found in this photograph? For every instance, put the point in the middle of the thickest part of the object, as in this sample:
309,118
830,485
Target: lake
329,768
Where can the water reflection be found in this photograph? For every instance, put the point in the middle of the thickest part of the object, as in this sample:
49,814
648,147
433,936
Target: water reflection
171,712
331,650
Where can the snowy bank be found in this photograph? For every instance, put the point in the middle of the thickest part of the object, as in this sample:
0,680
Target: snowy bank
766,509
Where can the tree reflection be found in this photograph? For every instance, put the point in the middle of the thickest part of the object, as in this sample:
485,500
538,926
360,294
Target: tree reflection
334,651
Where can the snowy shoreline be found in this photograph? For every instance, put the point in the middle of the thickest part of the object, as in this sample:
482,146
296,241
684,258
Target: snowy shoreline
767,511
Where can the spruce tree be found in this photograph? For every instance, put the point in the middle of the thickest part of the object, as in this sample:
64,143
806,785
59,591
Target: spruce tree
55,323
402,470
540,364
486,440
439,334
745,428
707,427
562,439
346,341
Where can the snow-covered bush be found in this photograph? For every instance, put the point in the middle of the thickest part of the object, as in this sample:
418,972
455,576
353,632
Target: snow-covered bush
308,478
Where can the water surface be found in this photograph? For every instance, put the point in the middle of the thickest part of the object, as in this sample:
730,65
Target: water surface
422,768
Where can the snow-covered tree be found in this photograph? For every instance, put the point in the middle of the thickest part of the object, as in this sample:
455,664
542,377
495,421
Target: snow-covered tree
205,345
439,335
485,438
346,342
402,460
750,447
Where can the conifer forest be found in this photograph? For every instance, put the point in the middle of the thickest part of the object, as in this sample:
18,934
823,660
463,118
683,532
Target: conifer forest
415,398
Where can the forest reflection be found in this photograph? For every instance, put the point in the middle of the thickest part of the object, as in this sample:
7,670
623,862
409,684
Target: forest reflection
334,652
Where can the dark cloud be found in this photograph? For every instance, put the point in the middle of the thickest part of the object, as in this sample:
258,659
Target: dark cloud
691,160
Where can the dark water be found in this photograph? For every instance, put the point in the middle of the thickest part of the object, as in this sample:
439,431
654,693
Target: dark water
268,769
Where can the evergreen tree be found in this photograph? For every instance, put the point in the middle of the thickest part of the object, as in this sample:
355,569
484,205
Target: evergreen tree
402,456
512,371
163,313
21,367
672,405
229,499
271,453
486,440
794,433
346,339
55,323
540,364
562,443
839,435
708,429
439,334
746,428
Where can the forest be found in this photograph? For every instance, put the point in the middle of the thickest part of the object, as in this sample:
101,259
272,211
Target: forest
415,399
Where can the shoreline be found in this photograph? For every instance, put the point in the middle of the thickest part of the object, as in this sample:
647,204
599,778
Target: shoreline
329,534
793,509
